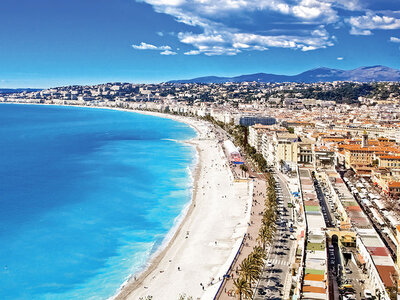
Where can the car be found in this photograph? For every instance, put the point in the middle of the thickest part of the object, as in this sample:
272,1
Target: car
347,271
261,291
367,294
270,264
292,237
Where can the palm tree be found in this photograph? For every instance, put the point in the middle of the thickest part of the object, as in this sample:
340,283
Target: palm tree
256,259
242,288
249,269
259,251
265,236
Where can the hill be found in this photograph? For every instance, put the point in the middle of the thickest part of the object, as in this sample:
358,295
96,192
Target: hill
362,74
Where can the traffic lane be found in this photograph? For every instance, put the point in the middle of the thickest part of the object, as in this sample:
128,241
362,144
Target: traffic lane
333,272
324,205
354,276
272,279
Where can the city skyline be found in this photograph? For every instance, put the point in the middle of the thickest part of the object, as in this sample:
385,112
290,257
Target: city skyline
51,44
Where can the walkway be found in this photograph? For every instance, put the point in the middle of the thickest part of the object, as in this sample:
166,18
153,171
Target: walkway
258,206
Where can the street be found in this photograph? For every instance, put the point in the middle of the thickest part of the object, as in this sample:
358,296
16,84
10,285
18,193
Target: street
278,266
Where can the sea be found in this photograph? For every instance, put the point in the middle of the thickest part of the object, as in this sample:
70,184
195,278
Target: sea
87,197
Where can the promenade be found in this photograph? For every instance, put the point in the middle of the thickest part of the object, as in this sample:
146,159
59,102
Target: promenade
227,290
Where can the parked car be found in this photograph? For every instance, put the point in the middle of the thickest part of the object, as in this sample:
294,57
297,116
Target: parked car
261,291
367,294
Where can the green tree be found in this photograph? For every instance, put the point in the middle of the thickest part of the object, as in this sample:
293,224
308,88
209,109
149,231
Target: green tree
249,269
242,288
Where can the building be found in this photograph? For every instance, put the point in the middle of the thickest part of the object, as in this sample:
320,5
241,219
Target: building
293,150
255,135
252,120
389,161
285,145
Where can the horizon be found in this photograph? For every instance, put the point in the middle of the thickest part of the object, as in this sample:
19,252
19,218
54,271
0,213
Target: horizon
228,76
47,44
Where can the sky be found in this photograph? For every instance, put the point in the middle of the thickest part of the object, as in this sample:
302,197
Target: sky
47,43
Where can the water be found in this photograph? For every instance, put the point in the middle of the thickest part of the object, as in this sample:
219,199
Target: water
86,197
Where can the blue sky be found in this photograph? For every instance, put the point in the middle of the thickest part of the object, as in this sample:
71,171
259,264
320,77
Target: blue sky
47,43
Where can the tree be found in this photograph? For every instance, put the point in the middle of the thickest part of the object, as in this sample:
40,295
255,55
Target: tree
242,288
244,168
265,235
249,269
257,250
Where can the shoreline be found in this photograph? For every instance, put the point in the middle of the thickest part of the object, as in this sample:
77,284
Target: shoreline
188,213
136,280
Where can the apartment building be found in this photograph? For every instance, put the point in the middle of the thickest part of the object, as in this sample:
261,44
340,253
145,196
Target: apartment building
255,135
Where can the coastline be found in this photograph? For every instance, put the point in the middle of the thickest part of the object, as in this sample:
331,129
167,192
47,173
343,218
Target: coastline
136,280
150,281
138,286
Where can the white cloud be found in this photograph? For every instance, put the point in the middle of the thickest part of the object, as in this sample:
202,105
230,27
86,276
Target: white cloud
297,24
339,58
145,46
351,5
160,33
232,43
192,52
168,52
166,2
357,31
220,24
308,48
313,9
394,39
362,25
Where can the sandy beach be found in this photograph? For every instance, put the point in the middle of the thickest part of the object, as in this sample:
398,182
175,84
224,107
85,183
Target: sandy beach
203,246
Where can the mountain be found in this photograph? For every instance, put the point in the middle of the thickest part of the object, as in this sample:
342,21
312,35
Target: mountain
362,74
11,91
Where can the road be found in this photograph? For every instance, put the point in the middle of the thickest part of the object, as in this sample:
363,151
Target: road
324,205
271,283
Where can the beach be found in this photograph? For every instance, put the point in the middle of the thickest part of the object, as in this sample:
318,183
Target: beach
198,255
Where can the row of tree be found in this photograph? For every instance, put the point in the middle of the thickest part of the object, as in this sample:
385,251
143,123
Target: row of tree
251,268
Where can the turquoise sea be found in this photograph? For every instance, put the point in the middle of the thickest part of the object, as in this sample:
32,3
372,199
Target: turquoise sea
86,197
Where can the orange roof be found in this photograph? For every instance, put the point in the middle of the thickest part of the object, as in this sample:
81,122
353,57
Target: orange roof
394,184
386,273
356,147
314,277
390,157
353,208
361,259
313,289
333,139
